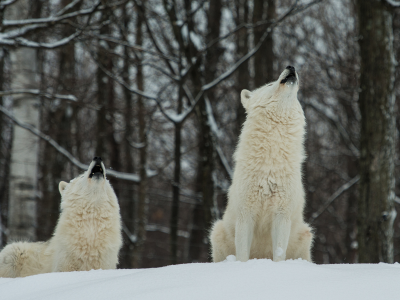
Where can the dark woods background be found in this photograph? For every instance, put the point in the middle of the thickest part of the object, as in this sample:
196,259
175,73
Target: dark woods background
153,88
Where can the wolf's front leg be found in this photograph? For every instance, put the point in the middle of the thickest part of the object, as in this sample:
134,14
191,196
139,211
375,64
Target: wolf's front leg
244,236
280,236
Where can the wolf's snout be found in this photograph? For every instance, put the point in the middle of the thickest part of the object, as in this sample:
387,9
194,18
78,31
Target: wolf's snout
97,159
291,69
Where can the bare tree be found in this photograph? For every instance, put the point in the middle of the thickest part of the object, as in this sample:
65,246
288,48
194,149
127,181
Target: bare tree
25,147
376,211
161,96
142,205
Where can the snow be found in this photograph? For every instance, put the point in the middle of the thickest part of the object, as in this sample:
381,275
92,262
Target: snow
255,279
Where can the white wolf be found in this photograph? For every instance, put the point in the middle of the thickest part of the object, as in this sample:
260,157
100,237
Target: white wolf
87,236
264,215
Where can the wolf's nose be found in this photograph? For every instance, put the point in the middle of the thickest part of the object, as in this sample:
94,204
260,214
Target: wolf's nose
97,159
290,68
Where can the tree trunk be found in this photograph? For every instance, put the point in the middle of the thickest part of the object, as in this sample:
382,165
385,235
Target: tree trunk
176,183
376,211
4,159
264,58
126,199
351,211
54,163
142,195
103,91
243,76
351,215
25,146
107,146
206,163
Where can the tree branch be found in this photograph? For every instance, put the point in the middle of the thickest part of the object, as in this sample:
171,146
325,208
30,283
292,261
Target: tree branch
51,20
152,227
67,7
3,4
332,198
27,43
39,93
393,3
215,130
69,156
327,112
129,45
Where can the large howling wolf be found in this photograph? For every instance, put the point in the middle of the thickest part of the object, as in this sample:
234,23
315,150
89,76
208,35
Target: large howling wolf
264,216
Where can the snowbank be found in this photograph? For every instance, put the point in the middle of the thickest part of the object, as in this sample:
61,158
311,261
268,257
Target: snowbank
255,279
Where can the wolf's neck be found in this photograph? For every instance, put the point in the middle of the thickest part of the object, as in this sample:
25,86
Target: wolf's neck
271,143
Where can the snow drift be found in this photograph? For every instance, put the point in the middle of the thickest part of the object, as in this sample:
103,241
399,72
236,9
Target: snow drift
255,279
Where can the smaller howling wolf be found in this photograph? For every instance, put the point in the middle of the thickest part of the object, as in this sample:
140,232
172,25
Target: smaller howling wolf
87,236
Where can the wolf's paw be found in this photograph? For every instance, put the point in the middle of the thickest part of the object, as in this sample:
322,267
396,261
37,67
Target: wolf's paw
230,258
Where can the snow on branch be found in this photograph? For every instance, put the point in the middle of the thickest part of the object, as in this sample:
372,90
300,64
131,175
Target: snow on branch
3,4
214,129
293,10
173,117
132,46
167,230
132,237
152,227
18,28
217,134
11,34
27,43
67,7
39,93
69,156
332,198
229,72
179,118
51,20
135,145
393,3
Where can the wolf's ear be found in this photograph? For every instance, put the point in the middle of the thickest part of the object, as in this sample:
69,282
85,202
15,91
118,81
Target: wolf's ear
61,186
245,95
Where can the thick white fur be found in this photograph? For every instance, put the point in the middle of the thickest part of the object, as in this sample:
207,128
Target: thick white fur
87,236
264,215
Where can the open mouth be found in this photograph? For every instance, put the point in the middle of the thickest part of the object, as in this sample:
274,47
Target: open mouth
291,77
96,171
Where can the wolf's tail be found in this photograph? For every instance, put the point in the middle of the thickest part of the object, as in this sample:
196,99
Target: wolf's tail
21,259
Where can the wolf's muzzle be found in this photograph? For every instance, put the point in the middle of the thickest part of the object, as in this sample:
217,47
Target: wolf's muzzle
97,170
291,77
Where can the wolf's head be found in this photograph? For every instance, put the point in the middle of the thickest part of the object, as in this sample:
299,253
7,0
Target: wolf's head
91,182
277,97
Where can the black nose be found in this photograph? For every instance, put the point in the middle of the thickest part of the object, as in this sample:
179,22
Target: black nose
97,159
290,68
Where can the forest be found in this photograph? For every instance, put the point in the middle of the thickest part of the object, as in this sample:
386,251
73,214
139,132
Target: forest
153,87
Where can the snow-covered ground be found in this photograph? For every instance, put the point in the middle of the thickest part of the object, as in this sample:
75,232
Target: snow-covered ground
255,279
